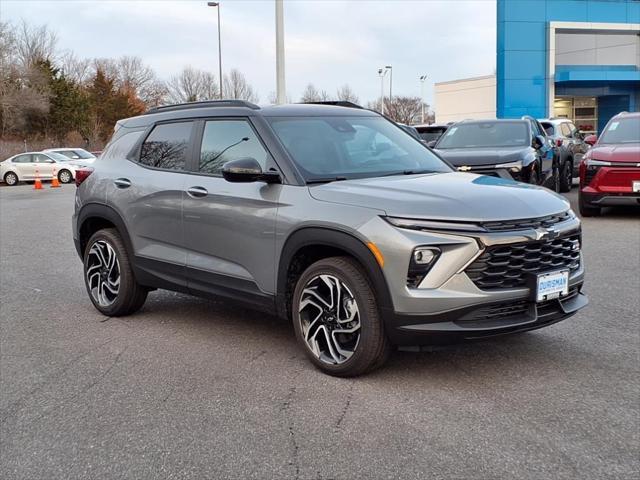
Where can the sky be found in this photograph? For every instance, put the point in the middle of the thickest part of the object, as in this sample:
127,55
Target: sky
327,43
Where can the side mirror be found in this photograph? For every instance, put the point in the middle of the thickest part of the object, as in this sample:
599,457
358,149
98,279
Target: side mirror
538,142
432,143
591,140
247,170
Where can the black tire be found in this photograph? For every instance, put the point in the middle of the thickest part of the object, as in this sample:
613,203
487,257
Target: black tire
131,295
372,348
533,177
11,179
566,176
587,210
65,176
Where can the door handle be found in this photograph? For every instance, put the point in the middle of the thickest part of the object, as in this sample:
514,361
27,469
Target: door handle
197,192
122,182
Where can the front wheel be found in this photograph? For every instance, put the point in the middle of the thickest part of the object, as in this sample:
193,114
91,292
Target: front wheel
566,177
64,176
11,179
336,318
108,275
533,177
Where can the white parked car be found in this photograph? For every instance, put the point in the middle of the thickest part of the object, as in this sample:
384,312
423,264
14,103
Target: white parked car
31,165
77,156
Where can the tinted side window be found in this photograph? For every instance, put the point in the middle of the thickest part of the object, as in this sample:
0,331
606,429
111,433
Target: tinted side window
121,146
22,159
225,140
167,145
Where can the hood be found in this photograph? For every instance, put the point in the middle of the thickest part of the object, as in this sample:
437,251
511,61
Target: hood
483,156
444,196
624,152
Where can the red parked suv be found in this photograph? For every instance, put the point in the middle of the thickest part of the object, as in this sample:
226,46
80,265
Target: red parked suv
610,170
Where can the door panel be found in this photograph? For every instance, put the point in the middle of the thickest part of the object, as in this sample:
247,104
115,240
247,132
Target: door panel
148,194
25,166
230,227
44,165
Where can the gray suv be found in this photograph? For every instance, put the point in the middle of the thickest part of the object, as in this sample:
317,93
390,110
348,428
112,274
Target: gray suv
332,217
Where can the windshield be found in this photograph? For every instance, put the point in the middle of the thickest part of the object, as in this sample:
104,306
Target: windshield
485,134
352,147
75,154
58,157
623,130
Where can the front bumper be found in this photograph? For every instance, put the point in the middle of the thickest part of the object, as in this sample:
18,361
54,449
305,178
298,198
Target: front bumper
448,304
481,321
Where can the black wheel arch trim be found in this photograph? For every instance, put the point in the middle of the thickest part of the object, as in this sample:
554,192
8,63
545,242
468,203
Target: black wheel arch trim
105,212
328,237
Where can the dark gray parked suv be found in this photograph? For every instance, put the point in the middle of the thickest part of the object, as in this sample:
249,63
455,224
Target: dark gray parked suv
332,217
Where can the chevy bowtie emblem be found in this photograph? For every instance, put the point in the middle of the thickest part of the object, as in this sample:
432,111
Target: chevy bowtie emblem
544,234
464,168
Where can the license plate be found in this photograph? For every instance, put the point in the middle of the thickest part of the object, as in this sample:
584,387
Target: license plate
552,285
635,187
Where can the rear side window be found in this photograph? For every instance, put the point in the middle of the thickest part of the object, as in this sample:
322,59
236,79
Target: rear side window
22,159
226,140
121,146
167,145
566,131
548,127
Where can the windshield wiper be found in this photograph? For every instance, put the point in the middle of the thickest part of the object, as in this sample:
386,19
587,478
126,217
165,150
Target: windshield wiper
407,172
325,180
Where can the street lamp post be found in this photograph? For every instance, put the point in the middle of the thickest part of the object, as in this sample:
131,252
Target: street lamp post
382,72
217,4
281,90
422,79
390,68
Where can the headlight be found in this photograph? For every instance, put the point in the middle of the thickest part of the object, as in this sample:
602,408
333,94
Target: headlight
416,224
422,259
597,163
512,166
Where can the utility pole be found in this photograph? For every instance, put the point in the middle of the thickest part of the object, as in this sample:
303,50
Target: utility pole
281,90
422,79
217,4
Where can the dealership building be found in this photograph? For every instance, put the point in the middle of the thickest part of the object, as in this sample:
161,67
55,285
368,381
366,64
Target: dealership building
578,59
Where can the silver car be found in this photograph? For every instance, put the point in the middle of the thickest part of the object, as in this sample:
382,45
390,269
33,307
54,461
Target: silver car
37,165
331,217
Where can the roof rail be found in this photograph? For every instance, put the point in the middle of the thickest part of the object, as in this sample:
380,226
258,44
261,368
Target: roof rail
335,103
203,104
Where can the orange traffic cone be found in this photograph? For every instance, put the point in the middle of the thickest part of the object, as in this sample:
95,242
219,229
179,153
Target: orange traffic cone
37,184
54,181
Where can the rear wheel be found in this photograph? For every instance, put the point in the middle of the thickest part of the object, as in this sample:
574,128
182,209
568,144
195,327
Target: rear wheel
336,318
64,176
11,179
587,210
108,275
533,177
566,176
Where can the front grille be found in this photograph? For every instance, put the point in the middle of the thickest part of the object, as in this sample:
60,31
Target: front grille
541,222
508,266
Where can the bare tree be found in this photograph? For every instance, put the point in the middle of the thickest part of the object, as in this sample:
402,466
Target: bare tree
405,110
346,94
34,44
133,75
77,70
236,87
311,94
192,85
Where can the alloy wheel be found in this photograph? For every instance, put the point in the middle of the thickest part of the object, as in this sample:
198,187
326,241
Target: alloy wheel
329,319
64,176
11,178
103,273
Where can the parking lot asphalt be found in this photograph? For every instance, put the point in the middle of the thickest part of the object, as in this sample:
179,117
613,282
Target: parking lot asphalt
191,388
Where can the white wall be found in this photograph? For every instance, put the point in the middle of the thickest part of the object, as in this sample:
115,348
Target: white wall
469,98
